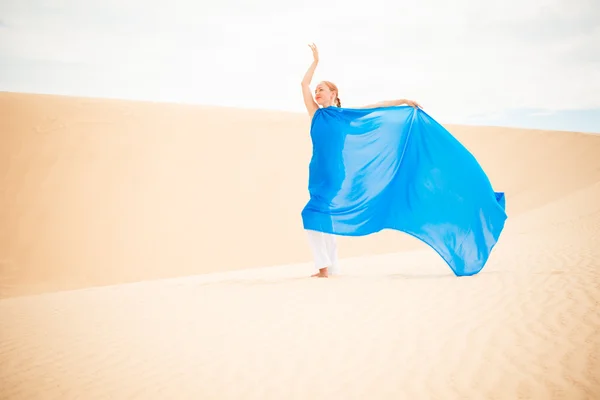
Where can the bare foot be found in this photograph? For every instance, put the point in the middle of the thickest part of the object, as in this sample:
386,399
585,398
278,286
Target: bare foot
321,274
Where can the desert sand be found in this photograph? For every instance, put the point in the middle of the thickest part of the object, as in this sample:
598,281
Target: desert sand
140,260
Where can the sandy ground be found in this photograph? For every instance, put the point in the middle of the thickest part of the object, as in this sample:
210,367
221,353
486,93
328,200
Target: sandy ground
119,278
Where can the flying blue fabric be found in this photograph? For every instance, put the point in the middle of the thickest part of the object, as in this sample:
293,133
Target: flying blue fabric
397,168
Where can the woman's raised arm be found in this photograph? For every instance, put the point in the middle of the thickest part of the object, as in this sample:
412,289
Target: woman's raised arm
309,102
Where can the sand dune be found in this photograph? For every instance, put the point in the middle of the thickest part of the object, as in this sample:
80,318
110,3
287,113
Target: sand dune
101,198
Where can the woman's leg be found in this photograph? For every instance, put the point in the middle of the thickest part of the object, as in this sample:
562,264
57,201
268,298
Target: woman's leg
324,250
332,253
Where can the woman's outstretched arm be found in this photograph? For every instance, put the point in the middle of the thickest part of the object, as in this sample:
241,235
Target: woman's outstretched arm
390,103
311,106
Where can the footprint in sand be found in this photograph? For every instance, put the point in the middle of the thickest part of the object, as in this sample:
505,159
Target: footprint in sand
49,124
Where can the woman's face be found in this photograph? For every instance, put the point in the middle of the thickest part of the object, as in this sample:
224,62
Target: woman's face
323,95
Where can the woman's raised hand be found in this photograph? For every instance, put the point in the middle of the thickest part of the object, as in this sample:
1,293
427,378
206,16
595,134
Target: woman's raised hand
313,47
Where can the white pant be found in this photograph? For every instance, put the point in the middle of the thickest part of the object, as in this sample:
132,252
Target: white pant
324,249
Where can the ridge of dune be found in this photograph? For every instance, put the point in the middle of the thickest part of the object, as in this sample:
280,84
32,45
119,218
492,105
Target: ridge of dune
99,191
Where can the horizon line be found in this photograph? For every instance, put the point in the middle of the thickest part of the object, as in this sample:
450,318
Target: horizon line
280,110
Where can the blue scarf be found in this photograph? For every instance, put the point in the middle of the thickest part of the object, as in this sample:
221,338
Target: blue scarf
397,168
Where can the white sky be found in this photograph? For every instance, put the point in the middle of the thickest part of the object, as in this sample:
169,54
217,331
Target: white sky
458,58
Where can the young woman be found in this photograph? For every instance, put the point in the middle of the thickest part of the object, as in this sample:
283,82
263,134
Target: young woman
323,245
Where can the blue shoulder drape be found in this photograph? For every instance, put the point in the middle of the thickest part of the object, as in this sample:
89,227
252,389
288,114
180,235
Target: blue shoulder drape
397,168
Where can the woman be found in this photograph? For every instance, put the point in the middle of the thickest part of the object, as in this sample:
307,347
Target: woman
323,245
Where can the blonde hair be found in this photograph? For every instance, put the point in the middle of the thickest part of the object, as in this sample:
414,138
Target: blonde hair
334,89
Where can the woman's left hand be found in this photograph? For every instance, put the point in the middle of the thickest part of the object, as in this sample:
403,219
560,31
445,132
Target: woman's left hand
413,103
